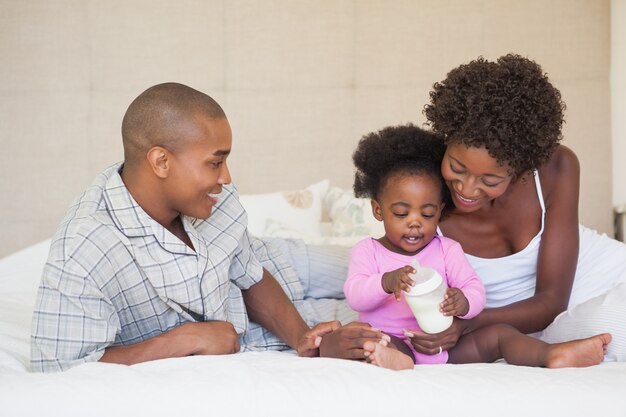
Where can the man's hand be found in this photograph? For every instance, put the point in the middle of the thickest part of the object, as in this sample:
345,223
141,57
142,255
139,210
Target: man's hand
309,343
347,342
208,338
212,337
454,303
395,282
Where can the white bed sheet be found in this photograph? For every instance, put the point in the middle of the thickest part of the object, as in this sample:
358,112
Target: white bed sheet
279,384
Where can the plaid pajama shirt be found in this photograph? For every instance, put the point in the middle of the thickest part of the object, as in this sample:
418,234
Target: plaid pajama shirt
115,276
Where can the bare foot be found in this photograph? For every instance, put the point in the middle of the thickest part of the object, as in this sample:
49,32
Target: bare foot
578,353
387,357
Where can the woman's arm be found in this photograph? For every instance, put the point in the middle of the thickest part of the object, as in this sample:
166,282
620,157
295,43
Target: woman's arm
558,253
556,263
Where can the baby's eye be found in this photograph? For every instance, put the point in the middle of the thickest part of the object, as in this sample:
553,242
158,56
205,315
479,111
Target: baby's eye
400,214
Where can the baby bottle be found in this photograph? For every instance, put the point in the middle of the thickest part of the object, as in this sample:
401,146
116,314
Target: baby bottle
425,297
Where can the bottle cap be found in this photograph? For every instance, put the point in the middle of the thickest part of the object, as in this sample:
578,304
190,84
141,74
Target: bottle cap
426,280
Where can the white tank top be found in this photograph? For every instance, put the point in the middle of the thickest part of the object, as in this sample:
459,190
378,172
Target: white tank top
601,264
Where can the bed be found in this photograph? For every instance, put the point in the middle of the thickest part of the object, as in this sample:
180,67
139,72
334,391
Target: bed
280,383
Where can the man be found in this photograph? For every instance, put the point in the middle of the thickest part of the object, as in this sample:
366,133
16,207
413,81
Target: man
154,260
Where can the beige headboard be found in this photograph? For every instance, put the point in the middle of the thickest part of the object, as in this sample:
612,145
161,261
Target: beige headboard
301,82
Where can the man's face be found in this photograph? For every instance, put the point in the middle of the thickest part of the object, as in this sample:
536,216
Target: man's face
198,168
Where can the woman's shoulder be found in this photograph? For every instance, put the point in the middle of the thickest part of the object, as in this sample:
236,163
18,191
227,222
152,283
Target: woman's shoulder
445,243
563,158
562,167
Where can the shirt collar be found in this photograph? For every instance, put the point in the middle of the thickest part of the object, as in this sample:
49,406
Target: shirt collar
132,220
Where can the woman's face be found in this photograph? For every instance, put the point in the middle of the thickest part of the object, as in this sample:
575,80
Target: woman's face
473,177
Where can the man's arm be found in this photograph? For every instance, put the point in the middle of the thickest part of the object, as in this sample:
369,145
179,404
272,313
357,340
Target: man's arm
268,305
208,338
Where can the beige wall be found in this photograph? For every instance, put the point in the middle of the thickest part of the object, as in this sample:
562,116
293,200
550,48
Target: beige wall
618,99
300,81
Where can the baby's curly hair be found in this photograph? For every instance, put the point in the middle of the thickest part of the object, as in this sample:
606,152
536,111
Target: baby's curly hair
508,106
404,149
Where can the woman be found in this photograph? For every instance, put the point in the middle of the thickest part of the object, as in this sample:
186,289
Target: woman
515,190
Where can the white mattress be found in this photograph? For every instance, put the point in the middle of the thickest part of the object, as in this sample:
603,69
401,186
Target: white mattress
277,384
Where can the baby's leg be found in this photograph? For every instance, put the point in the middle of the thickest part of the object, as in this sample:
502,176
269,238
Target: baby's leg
502,341
387,357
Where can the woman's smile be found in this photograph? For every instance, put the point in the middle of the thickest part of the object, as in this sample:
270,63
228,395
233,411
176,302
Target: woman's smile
466,202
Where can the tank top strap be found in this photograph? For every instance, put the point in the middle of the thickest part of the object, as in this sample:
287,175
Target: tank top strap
540,197
541,203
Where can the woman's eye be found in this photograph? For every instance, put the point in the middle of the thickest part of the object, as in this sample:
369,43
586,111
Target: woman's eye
490,184
455,169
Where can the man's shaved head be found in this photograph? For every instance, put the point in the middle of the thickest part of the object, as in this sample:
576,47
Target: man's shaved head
161,115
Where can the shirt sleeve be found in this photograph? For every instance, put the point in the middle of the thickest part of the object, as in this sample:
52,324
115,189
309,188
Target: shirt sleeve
461,275
231,220
73,322
245,270
363,287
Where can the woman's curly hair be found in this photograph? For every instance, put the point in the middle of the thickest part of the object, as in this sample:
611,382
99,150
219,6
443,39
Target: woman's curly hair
404,149
509,107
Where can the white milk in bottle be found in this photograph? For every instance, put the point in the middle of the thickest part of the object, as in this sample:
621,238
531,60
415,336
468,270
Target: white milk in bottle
425,297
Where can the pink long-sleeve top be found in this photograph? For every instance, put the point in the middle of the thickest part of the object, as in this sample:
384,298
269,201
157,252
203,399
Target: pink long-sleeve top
369,260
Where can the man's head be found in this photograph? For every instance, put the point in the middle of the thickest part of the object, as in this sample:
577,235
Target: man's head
160,116
176,141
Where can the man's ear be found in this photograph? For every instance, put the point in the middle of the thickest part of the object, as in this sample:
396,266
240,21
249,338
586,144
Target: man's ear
158,158
377,211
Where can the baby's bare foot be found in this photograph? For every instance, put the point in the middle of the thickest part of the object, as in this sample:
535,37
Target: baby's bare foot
579,353
386,357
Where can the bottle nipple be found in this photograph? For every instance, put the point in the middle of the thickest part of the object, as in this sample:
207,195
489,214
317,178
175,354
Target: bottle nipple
419,276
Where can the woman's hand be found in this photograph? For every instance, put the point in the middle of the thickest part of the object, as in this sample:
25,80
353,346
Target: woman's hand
432,344
395,282
454,303
347,342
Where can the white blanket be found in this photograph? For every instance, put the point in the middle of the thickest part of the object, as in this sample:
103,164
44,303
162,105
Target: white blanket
277,384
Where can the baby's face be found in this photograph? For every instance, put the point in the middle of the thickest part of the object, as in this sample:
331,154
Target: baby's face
410,207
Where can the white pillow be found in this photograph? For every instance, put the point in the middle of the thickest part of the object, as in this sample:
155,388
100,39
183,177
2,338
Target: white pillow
605,313
300,211
351,216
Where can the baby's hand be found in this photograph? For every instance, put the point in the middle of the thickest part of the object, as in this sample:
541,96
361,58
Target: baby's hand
454,303
395,282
